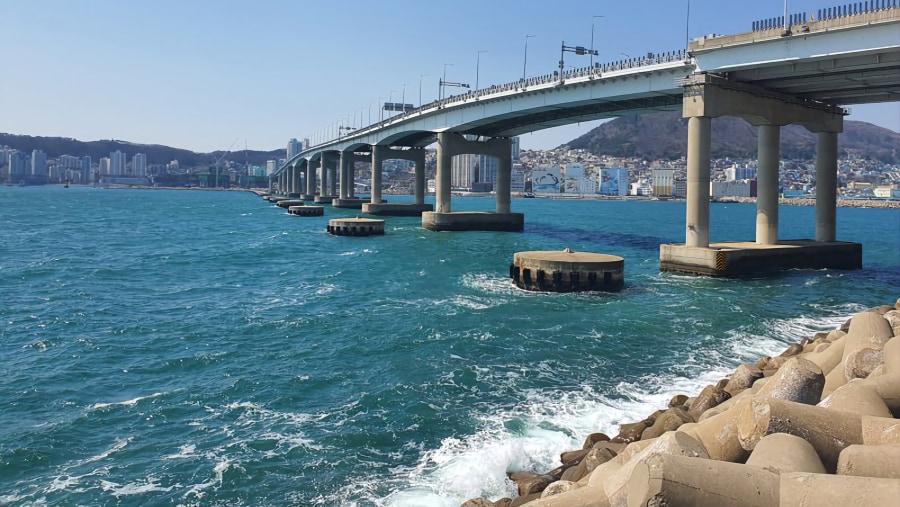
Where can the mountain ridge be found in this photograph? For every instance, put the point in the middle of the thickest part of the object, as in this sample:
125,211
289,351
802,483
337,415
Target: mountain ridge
156,153
664,136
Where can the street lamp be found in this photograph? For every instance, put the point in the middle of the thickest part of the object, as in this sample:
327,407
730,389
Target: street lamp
592,38
441,82
525,62
420,88
380,108
403,99
477,66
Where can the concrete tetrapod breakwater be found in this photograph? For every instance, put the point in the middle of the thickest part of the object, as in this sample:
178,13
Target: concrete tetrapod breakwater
818,425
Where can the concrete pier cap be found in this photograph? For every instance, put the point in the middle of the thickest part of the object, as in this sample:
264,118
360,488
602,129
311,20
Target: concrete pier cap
567,271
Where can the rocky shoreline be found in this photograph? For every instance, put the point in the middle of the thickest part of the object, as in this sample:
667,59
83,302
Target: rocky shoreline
818,425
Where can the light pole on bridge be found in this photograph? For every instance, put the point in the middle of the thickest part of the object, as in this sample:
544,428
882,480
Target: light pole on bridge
441,82
592,39
420,88
478,66
525,61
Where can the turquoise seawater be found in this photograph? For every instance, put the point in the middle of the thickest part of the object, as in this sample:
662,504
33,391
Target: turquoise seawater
206,348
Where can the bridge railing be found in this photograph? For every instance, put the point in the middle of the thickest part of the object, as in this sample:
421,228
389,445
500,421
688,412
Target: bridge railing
597,71
840,11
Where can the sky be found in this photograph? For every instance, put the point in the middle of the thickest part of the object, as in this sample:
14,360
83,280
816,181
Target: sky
210,75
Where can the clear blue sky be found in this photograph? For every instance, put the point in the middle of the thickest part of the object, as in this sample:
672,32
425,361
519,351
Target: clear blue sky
198,74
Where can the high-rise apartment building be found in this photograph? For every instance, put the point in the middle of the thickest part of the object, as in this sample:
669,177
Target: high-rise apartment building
86,167
105,165
139,164
117,163
38,163
19,164
294,147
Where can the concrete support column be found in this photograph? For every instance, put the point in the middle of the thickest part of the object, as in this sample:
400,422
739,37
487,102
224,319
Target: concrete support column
377,162
283,184
442,178
351,178
826,186
332,181
295,183
768,155
699,142
419,190
346,162
504,174
325,178
311,167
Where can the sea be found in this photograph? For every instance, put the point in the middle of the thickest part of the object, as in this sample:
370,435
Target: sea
164,347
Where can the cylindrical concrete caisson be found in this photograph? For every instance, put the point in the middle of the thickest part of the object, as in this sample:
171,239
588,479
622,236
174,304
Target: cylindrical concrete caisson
567,271
307,211
355,226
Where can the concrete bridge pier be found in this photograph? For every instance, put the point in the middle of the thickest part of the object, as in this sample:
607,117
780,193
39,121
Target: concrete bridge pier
347,181
328,192
698,162
377,206
296,188
311,167
826,186
443,219
707,97
768,156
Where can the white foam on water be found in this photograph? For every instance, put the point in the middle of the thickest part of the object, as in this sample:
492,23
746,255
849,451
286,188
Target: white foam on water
147,485
127,403
286,443
531,436
120,444
219,469
64,483
185,451
472,303
489,284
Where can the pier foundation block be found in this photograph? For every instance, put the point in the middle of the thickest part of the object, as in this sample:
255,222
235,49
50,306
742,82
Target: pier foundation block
356,227
396,210
473,221
567,271
735,259
307,211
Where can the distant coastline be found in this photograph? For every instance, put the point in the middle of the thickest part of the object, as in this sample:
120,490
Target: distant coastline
790,201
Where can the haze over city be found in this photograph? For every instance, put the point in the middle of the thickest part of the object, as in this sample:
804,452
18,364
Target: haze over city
212,75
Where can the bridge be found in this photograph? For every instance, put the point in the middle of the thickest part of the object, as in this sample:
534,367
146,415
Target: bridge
802,70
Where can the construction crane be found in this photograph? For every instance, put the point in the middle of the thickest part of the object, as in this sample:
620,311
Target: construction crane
222,156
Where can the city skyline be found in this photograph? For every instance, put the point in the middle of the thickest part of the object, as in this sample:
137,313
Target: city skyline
203,75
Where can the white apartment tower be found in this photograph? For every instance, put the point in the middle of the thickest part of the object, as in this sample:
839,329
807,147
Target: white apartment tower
139,164
117,163
38,163
294,147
